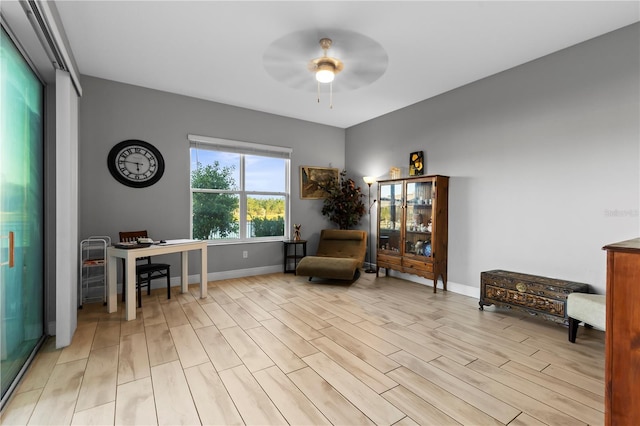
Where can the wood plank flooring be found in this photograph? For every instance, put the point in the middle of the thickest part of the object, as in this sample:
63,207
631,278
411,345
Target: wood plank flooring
276,349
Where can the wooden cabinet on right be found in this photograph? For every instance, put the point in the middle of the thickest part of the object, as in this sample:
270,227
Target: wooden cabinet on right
413,223
622,336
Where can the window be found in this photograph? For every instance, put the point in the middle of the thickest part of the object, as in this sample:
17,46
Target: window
239,190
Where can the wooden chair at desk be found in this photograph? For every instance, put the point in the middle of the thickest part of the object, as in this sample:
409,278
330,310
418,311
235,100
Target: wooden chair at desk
145,272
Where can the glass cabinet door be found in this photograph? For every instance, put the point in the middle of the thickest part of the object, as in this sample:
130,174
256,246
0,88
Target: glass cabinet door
390,217
419,218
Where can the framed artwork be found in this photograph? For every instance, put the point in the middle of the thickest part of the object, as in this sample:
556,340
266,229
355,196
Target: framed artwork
313,178
416,163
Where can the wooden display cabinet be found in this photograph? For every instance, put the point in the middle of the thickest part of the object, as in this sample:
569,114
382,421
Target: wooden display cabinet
413,226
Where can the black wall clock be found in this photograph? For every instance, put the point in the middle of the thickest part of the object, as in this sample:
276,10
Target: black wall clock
135,163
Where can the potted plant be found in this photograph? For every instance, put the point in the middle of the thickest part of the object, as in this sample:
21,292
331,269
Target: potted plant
343,203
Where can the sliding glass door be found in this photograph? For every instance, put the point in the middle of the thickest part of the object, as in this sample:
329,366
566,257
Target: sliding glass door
21,212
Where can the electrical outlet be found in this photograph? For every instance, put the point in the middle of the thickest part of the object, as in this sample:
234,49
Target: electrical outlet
245,254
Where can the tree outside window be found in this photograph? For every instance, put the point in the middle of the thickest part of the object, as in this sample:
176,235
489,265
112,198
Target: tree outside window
214,214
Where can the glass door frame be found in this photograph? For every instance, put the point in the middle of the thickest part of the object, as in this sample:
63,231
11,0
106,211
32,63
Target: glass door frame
419,217
19,243
389,237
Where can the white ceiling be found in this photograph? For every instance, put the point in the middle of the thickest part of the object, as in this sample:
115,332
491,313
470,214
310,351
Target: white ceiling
214,50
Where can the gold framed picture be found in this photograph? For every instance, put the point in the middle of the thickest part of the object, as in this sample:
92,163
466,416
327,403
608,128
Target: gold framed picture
312,179
416,163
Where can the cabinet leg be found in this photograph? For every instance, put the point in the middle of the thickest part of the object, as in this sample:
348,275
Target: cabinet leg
443,277
482,304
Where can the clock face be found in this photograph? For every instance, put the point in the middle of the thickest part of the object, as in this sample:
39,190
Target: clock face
135,163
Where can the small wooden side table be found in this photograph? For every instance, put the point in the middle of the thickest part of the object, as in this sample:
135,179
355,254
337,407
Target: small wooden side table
293,258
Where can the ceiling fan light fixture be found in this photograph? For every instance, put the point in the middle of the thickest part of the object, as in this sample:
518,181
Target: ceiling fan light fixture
326,68
325,72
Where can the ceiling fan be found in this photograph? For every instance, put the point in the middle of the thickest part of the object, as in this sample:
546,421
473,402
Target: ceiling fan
359,59
325,67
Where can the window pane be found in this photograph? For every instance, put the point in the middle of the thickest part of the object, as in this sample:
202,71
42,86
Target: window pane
215,169
264,174
265,215
216,216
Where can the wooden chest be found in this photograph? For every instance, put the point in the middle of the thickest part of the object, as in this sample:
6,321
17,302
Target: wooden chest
537,295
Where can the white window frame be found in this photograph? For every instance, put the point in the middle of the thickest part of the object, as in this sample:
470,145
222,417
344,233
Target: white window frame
244,148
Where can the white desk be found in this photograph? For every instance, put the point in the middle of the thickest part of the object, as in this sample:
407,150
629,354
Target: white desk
130,255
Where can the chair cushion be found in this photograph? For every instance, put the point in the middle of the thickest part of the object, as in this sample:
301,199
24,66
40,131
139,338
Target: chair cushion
328,267
340,253
351,244
588,308
146,268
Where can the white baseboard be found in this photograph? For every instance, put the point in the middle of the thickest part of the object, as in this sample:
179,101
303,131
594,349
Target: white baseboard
263,270
215,276
237,273
451,286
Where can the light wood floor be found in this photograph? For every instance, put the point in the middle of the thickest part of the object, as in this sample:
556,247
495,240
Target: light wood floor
275,349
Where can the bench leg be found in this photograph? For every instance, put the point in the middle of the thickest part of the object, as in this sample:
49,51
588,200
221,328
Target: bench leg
573,329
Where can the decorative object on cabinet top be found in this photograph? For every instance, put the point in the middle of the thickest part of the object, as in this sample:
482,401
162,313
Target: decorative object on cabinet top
416,163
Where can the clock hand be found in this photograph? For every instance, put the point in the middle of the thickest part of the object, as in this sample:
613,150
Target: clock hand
134,162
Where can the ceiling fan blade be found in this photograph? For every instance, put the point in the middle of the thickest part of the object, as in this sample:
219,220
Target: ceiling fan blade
288,59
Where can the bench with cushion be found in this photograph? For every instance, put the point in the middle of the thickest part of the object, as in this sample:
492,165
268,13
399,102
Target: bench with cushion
340,254
588,308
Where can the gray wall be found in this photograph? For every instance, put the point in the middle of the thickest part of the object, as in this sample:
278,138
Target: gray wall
111,112
543,160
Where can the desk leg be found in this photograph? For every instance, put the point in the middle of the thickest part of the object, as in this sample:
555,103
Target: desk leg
185,272
112,284
130,267
203,273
